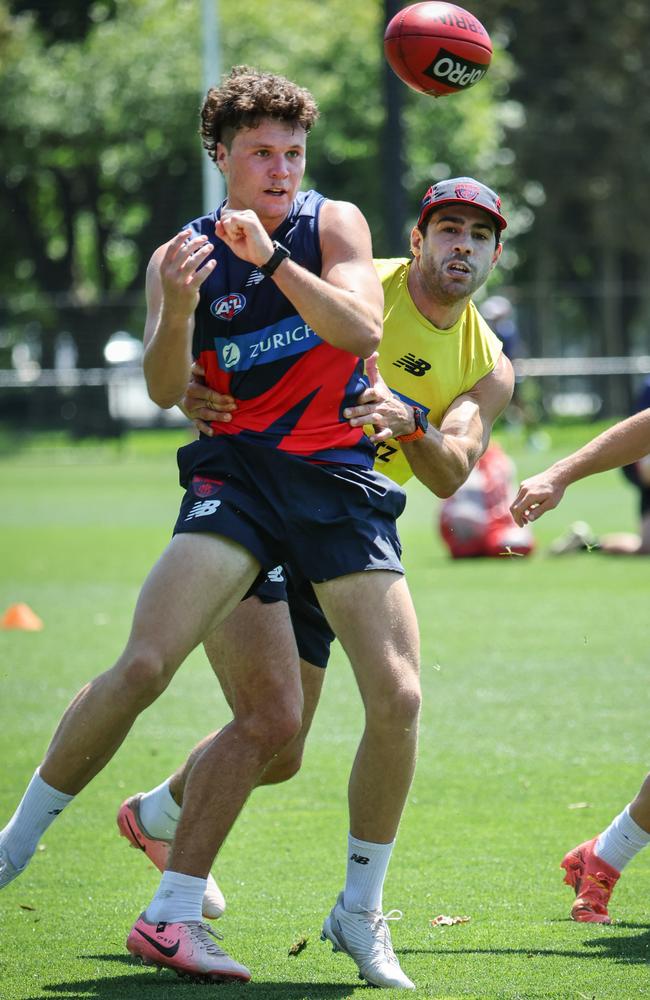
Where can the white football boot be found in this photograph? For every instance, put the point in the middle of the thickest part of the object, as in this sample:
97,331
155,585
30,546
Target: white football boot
366,939
8,871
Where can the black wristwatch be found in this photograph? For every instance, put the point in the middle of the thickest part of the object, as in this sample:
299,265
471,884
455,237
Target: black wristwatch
421,424
279,254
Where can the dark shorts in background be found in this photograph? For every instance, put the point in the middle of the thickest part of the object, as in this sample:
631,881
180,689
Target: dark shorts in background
631,472
322,520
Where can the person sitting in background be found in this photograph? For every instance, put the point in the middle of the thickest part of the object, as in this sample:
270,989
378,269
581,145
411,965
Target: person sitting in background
476,520
580,536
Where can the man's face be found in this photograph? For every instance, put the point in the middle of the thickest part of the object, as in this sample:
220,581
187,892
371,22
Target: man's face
457,252
263,168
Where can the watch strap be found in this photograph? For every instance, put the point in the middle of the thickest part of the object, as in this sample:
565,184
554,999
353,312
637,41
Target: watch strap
421,424
279,254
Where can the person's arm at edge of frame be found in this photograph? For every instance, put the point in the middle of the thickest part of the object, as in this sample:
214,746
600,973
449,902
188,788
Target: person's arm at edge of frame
621,444
172,285
344,306
444,458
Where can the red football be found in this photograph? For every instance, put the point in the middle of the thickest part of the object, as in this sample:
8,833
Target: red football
437,48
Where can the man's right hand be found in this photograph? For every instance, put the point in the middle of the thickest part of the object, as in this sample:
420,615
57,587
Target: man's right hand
183,269
203,405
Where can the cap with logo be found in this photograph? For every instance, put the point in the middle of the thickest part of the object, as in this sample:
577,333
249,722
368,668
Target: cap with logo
462,191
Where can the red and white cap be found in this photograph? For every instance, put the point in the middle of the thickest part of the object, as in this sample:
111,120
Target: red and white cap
462,191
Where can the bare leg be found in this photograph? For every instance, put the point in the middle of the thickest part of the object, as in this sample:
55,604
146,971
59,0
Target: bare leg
627,543
174,611
382,644
383,647
256,652
287,762
620,543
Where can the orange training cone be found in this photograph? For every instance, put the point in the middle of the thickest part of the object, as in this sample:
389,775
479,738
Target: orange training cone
22,617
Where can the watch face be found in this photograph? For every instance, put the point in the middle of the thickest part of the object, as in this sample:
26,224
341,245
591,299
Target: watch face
420,418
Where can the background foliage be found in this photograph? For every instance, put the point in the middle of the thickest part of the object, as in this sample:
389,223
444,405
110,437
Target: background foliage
102,161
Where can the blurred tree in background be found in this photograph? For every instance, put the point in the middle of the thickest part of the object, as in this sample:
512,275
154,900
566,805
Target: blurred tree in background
102,162
583,160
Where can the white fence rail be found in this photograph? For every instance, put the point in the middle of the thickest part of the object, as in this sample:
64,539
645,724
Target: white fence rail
70,378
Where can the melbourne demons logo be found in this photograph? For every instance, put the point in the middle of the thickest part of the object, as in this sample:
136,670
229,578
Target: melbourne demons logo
203,487
468,192
228,306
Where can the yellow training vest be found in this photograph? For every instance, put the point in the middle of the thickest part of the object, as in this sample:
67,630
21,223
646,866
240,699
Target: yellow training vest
425,366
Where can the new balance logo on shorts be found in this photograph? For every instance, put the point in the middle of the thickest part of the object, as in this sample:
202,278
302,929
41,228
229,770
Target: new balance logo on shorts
276,575
202,508
359,858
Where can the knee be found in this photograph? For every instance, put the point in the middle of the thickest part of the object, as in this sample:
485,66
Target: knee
142,676
396,706
272,729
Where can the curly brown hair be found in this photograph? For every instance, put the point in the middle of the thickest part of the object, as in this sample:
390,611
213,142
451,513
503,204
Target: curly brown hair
245,97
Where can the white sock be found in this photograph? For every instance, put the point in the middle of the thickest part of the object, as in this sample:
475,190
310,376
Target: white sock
179,899
366,872
38,808
621,841
159,812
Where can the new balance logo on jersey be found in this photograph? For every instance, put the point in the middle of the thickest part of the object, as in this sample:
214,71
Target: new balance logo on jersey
203,508
412,365
254,278
359,858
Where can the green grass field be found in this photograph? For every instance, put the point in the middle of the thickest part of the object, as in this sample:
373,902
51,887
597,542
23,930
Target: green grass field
534,734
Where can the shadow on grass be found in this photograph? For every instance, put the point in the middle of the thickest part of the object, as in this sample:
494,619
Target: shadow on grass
631,950
164,985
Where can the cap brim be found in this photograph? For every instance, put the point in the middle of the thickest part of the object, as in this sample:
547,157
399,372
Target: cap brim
500,221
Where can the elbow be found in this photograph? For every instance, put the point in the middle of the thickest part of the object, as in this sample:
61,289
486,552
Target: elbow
370,341
165,402
162,390
162,396
445,486
445,491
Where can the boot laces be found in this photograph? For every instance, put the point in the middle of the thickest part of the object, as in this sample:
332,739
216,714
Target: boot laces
198,931
379,926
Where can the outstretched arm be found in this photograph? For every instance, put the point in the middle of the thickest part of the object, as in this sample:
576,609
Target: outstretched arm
625,442
443,458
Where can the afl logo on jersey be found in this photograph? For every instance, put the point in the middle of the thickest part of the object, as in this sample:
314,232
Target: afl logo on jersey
230,354
228,306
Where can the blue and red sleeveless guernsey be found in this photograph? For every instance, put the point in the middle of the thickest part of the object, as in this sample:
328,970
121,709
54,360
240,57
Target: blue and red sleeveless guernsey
291,387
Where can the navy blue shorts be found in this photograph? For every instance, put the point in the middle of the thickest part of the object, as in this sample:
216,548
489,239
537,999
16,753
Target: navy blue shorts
322,520
631,472
313,635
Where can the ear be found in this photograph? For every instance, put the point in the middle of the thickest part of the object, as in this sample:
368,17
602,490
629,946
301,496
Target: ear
416,241
497,253
221,158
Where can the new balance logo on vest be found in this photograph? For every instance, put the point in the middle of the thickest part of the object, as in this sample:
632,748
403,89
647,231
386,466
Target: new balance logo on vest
412,365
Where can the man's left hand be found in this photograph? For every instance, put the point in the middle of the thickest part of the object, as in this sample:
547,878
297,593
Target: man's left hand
244,234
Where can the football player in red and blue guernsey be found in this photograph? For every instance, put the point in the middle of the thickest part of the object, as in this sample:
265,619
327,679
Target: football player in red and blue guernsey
277,296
